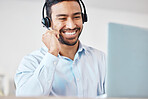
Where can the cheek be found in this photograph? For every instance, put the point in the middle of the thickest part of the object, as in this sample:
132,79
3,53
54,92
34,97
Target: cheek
79,23
80,26
57,25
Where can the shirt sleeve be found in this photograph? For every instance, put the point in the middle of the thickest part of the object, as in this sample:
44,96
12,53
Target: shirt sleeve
102,69
104,72
34,78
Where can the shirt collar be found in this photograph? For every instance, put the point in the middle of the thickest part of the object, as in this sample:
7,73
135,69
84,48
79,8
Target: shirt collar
81,47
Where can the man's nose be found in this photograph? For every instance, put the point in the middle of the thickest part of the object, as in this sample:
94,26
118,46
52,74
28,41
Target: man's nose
70,23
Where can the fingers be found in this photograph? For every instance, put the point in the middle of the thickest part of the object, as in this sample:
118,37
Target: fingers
52,32
50,39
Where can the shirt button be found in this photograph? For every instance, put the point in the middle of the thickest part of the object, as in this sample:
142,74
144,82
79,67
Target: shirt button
54,62
78,79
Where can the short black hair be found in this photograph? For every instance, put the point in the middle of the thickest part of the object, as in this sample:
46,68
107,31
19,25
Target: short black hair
49,4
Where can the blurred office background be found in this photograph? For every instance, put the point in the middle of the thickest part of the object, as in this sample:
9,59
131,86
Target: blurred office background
21,28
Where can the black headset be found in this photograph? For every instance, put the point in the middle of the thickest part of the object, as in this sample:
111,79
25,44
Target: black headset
46,21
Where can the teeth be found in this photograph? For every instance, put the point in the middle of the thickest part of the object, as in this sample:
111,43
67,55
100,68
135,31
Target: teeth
70,33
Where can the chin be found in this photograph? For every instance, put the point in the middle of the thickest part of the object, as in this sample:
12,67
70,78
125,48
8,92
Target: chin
68,42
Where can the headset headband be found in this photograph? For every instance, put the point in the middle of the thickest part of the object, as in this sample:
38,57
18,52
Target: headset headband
43,9
46,21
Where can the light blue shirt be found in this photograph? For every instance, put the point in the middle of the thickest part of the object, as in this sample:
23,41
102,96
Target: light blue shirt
42,74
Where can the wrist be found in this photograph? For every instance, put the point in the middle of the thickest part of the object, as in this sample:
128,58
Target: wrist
55,53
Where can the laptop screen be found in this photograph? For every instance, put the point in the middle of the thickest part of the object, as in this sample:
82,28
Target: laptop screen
127,61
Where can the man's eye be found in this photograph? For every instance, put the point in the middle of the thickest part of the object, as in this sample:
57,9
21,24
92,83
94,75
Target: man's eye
62,18
77,17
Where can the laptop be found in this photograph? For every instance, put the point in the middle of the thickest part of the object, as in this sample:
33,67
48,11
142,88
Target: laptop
127,61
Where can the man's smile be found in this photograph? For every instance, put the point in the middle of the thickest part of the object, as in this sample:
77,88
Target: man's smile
69,33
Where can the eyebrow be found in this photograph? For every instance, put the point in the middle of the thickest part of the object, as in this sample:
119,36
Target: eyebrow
59,15
77,13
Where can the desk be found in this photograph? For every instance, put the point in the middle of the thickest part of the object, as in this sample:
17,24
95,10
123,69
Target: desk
13,97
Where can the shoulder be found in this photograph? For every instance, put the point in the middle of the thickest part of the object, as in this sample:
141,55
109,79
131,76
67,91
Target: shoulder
97,56
33,59
94,51
37,54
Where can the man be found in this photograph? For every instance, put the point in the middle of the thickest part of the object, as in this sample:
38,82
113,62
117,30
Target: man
65,67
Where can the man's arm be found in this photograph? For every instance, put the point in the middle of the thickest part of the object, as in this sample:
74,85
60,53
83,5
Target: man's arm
35,78
102,66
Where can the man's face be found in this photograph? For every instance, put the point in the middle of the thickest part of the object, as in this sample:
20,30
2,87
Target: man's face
67,20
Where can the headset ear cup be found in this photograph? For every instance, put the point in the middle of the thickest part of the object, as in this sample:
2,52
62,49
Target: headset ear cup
46,22
43,22
84,18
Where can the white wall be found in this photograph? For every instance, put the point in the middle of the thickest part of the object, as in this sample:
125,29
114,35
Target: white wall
96,30
21,30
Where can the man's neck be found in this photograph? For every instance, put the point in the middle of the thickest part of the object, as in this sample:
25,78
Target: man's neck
69,51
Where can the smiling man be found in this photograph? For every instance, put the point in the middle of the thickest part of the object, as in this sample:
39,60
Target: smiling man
64,67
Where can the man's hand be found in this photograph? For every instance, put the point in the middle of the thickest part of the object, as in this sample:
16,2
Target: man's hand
50,39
